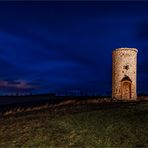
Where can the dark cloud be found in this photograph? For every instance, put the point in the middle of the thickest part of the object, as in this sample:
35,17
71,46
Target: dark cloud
142,30
8,70
67,45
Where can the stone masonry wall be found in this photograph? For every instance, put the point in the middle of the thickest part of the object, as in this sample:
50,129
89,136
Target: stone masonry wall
124,63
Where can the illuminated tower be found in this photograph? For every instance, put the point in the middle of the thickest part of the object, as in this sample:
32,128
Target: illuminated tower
124,69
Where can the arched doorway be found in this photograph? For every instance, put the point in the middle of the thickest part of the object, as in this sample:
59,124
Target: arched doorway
126,84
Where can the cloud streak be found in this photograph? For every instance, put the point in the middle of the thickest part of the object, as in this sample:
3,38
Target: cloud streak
68,45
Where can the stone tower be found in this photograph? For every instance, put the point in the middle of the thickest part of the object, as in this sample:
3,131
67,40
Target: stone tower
124,64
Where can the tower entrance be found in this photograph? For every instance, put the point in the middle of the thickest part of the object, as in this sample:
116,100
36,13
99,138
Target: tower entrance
126,84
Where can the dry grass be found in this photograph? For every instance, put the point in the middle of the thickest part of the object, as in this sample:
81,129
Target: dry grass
27,109
61,104
66,103
124,127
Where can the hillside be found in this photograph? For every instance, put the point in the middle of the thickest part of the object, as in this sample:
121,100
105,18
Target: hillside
121,126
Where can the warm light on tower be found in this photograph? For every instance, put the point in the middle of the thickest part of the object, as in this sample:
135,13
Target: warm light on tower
124,69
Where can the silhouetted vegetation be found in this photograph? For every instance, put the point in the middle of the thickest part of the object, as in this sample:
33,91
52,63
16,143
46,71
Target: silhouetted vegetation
13,104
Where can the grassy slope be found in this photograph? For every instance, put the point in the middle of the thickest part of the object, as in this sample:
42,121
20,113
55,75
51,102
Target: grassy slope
126,127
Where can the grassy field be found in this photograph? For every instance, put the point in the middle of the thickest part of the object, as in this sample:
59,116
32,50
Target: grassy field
126,127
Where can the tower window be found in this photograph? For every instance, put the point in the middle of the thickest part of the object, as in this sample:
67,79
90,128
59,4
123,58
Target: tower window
126,67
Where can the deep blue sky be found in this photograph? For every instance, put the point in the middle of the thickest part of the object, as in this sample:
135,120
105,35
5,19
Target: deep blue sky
64,46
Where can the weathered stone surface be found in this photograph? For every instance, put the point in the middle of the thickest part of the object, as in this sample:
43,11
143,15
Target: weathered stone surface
124,69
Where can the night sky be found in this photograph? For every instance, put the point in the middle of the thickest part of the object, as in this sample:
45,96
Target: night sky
66,46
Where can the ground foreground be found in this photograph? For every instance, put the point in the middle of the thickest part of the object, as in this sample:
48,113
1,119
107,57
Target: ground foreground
106,127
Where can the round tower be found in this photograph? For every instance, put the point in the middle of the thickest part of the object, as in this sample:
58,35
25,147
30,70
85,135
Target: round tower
124,69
